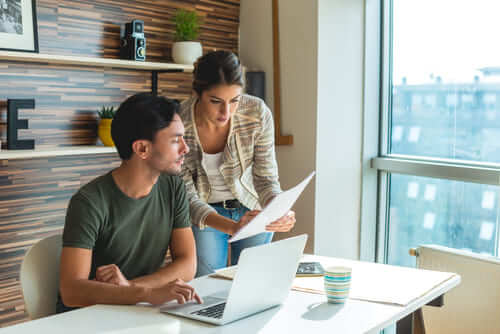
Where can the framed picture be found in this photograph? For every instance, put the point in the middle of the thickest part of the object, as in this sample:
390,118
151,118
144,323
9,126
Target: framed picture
18,28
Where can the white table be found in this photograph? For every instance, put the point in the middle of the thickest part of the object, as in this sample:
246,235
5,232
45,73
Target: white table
301,313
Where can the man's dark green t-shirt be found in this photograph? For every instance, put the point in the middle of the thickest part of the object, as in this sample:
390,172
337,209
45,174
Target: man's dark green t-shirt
132,233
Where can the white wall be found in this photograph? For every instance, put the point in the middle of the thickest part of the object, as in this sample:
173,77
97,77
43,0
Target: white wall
298,89
256,42
298,57
339,129
321,91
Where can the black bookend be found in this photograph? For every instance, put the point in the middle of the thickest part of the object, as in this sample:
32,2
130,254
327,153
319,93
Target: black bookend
13,124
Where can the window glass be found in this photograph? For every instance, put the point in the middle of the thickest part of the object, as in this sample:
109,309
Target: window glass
434,211
446,79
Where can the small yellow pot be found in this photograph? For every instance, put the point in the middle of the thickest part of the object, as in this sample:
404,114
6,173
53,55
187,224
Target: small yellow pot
104,131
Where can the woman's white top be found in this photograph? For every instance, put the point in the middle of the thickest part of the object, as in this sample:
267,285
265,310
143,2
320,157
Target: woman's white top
219,191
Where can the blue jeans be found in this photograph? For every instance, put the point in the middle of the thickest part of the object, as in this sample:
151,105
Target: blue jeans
212,245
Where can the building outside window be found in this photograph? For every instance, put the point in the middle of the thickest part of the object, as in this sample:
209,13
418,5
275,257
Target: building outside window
440,151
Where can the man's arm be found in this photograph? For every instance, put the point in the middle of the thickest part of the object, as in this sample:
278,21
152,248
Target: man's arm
182,248
77,290
183,266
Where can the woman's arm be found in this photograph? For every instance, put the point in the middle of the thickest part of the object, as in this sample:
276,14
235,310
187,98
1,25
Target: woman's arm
265,167
199,209
202,214
265,172
227,225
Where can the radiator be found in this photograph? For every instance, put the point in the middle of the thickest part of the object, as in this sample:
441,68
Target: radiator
473,306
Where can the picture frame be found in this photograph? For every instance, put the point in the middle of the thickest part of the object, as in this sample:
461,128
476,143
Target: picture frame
18,25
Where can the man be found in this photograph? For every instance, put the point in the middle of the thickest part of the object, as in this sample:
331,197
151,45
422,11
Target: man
118,227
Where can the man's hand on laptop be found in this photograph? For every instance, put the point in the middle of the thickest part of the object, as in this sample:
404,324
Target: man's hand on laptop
176,289
111,274
284,224
247,217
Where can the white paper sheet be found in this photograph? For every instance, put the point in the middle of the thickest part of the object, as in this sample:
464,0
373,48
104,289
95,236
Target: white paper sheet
278,207
373,282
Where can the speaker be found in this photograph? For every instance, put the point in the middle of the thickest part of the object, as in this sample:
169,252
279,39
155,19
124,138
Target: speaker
132,41
256,84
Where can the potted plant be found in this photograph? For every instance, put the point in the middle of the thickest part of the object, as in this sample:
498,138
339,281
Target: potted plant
106,115
185,50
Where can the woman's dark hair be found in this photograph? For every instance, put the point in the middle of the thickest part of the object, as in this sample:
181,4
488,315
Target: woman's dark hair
141,116
216,68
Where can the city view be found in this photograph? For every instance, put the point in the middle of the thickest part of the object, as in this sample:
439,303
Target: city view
445,104
444,121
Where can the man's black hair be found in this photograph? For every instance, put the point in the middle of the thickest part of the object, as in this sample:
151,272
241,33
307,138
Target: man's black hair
141,116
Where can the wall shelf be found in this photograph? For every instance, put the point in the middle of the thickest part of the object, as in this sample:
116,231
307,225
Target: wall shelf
55,152
92,62
27,57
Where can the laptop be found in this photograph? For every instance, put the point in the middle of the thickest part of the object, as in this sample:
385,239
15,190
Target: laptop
263,280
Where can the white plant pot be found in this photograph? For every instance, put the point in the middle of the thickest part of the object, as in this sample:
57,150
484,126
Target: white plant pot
186,52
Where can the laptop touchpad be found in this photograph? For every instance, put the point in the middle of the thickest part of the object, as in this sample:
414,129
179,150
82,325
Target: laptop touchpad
211,300
220,294
192,306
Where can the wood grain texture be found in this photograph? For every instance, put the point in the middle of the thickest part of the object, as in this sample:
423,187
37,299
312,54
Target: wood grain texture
67,96
279,138
34,192
92,28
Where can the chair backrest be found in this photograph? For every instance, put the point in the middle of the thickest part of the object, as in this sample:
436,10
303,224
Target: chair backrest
40,277
471,307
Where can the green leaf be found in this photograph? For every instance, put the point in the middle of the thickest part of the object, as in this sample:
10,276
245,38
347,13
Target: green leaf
107,112
187,25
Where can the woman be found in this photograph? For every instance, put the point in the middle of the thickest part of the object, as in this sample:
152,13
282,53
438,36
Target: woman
231,167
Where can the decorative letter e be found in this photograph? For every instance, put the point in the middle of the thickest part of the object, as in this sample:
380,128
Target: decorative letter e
13,124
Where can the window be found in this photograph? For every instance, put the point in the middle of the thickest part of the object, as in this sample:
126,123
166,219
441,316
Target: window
439,159
430,192
455,214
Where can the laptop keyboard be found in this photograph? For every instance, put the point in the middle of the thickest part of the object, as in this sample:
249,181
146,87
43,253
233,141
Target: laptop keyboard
214,311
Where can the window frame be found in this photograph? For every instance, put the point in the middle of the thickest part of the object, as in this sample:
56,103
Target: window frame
377,114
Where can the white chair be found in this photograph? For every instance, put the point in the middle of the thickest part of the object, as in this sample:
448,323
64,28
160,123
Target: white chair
471,307
40,277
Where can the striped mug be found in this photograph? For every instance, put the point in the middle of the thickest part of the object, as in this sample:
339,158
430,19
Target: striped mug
337,284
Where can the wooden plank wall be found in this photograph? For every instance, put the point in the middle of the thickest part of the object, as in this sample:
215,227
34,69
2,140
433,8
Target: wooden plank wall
34,192
33,199
67,97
